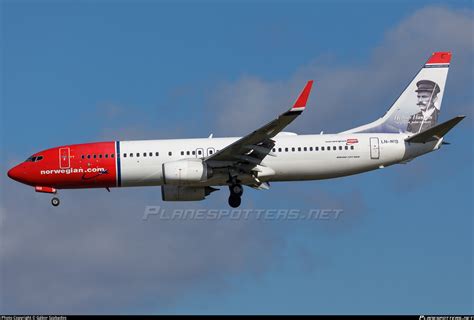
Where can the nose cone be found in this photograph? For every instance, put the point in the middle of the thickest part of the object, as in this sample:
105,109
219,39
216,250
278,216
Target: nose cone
15,173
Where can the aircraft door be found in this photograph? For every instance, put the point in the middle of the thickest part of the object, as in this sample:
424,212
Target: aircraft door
64,160
374,148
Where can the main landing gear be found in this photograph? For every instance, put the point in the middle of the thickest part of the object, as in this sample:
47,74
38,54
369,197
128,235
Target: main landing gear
236,191
55,201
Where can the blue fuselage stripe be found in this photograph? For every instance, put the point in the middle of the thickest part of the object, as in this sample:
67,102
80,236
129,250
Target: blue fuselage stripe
119,172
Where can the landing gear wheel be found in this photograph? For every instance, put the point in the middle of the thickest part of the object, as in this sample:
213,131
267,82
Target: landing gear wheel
55,202
234,201
236,189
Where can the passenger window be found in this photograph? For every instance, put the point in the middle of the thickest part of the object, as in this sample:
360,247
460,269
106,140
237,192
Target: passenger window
310,148
100,156
88,156
170,153
157,154
340,147
316,148
144,154
131,155
334,148
124,155
150,154
188,153
322,148
95,156
194,153
138,155
211,152
346,147
106,155
279,149
299,148
199,152
82,156
293,149
305,149
328,148
286,149
182,153
352,147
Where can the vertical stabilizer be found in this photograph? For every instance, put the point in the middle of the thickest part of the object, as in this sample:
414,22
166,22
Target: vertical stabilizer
418,107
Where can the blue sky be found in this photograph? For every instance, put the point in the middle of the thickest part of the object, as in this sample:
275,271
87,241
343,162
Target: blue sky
102,70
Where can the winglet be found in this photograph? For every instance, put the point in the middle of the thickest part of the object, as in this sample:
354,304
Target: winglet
300,103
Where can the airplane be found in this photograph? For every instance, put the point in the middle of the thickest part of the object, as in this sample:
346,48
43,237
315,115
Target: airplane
191,169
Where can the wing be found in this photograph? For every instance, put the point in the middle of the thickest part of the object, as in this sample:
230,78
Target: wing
249,151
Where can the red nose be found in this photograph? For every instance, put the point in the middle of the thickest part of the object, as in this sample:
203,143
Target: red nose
15,173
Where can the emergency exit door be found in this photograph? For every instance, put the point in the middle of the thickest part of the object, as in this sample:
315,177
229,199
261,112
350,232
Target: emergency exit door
374,148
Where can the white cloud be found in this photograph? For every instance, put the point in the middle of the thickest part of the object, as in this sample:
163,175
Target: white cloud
347,96
95,254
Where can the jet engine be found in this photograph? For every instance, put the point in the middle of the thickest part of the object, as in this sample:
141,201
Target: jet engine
183,172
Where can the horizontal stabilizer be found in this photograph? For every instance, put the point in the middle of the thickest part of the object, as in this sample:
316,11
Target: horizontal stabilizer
436,132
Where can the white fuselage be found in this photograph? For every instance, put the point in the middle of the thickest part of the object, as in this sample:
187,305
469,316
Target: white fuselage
296,157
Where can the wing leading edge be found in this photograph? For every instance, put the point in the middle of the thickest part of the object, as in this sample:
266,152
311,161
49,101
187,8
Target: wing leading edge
254,147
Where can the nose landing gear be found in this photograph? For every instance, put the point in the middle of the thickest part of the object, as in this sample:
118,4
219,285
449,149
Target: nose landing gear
55,202
50,190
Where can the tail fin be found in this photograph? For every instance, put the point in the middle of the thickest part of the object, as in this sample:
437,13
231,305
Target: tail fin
418,107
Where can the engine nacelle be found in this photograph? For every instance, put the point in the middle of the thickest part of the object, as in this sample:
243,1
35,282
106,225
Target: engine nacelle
181,193
184,172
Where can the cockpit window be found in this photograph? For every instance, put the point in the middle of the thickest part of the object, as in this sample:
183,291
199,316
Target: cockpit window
34,159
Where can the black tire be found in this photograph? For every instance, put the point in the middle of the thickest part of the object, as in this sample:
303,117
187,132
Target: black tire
236,189
234,201
55,202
